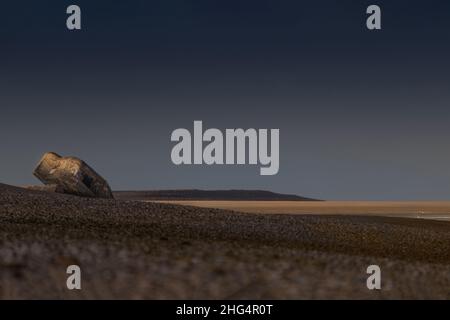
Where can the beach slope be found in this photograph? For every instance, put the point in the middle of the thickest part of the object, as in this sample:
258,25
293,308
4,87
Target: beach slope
132,249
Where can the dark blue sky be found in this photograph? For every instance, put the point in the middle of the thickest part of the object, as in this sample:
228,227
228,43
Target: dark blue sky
362,115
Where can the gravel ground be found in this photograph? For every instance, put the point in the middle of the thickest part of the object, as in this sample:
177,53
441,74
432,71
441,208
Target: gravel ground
135,250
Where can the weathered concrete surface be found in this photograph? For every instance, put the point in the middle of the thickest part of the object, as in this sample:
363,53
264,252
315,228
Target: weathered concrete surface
47,188
73,175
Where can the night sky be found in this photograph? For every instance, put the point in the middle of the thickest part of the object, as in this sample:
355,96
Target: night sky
362,114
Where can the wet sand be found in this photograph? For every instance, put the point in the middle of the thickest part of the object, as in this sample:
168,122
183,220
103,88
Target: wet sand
137,250
437,210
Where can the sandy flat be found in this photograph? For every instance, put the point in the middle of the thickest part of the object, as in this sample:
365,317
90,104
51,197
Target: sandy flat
408,209
137,250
